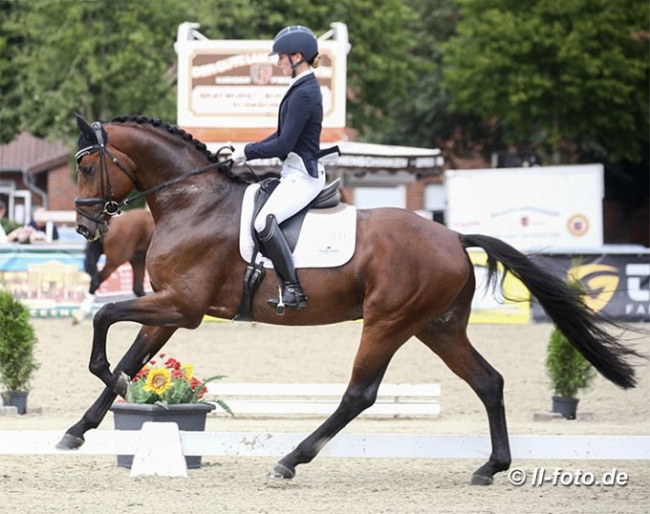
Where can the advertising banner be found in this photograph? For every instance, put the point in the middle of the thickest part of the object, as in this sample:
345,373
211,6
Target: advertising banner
544,208
506,304
51,281
235,83
617,285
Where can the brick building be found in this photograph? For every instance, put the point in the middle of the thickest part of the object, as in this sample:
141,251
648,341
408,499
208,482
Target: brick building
34,173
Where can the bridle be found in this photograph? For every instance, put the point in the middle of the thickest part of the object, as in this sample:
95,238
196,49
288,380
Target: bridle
111,207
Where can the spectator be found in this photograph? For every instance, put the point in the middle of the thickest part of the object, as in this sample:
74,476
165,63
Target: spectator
36,230
3,234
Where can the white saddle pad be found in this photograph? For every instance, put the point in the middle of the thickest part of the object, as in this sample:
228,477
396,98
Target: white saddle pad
327,238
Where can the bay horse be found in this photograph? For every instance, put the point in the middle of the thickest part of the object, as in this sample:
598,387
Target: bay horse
127,241
408,277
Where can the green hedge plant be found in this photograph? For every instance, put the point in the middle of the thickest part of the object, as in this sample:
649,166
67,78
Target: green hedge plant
17,341
568,370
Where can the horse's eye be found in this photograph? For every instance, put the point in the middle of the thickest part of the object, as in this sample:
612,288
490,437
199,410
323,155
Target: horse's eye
85,170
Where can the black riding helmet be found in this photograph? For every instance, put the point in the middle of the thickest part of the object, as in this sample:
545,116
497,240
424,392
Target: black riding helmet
294,39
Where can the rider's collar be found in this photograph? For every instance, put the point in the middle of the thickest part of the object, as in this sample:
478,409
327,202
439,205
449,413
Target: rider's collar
301,75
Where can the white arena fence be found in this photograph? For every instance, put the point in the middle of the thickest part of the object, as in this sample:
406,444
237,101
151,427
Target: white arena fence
277,399
160,448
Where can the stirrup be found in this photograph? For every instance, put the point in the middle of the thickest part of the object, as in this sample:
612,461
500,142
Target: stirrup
292,297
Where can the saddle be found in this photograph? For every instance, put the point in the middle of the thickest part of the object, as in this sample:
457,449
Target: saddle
330,196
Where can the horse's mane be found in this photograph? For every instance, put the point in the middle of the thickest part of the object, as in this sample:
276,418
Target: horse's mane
184,135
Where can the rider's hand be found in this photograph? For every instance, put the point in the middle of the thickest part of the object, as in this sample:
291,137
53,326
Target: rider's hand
238,156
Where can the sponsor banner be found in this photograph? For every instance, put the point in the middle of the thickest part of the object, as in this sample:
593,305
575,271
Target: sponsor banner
236,84
51,280
506,304
617,285
529,208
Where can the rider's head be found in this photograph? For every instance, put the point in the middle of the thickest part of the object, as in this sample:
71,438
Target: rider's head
297,39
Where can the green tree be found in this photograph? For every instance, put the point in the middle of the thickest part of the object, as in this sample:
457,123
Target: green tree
98,58
104,58
379,63
567,78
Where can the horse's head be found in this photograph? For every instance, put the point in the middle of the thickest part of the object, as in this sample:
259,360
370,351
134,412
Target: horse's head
103,179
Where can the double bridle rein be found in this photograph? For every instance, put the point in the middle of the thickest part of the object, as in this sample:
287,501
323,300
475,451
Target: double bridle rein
111,207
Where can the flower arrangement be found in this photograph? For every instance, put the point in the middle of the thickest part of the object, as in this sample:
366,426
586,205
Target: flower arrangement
169,382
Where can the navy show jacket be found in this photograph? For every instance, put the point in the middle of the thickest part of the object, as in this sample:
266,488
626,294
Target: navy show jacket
300,120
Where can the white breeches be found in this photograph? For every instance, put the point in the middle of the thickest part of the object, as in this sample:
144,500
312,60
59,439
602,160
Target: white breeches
296,189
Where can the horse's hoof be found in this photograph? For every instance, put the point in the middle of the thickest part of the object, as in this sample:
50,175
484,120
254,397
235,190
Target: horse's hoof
280,472
121,385
481,480
70,442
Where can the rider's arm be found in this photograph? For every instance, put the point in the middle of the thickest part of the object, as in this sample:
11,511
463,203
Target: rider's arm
279,144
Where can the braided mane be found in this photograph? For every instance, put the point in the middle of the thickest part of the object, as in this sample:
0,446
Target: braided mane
184,135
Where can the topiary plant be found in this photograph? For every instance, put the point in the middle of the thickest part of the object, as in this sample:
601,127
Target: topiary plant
568,370
17,340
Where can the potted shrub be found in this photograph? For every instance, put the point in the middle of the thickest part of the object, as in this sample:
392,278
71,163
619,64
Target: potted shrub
164,391
568,370
17,341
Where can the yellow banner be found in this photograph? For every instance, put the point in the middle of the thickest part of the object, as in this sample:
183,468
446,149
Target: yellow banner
498,307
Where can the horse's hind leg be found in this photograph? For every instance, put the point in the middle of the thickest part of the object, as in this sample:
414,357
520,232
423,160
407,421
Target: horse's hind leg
374,354
455,349
148,341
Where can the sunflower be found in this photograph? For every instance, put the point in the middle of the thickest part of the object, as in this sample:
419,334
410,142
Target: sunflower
159,381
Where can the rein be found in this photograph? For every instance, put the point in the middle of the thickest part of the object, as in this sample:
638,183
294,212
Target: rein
111,207
162,185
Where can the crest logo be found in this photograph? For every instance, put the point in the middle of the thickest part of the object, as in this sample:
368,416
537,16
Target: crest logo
578,225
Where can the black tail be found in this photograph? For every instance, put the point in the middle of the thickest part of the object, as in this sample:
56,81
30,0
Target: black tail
581,326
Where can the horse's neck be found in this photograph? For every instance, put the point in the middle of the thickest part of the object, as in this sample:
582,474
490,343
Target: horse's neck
199,199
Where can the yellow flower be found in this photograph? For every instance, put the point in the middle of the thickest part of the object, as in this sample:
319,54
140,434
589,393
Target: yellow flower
188,371
159,381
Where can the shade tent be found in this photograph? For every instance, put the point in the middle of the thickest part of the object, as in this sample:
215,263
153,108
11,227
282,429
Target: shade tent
367,164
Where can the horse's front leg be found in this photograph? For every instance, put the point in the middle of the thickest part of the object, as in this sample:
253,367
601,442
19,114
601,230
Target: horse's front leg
371,361
153,310
146,344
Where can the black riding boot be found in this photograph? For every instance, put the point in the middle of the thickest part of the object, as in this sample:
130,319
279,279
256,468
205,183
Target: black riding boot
278,251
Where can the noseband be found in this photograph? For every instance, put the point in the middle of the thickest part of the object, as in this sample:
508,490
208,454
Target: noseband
111,207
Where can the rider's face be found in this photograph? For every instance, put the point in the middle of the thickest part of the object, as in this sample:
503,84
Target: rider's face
285,64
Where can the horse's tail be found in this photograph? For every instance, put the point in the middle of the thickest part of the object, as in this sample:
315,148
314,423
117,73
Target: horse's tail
564,305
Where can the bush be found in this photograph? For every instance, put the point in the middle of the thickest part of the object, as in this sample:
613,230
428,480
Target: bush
568,370
17,340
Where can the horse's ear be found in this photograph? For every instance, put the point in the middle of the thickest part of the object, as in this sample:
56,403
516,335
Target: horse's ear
87,132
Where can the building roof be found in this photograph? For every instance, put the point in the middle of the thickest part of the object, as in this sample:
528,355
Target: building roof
32,154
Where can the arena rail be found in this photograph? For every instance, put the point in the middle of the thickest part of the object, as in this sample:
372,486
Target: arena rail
261,444
159,447
271,399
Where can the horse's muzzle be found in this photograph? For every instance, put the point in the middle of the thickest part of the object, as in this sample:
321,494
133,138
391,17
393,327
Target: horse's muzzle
92,235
